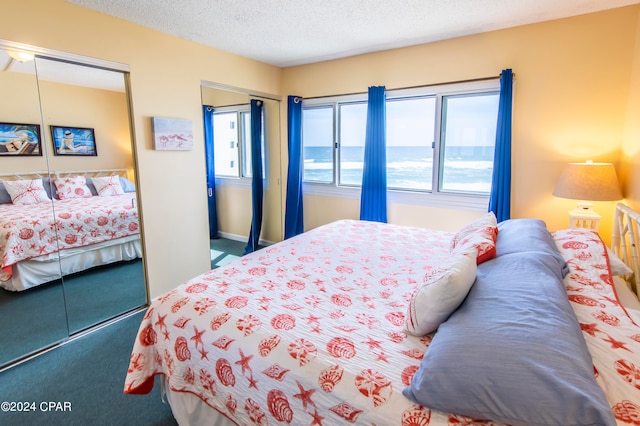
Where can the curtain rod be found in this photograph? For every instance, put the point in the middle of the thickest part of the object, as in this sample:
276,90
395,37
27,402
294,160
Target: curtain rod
471,80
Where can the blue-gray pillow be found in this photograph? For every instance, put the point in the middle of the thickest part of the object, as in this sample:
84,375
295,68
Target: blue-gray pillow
92,187
513,352
527,235
5,198
127,185
50,188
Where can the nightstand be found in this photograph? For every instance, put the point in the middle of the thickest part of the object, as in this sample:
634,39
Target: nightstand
584,218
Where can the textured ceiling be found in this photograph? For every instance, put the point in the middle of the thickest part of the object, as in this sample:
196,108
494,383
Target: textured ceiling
294,32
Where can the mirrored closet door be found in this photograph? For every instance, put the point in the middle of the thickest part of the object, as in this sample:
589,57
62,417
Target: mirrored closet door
89,249
35,318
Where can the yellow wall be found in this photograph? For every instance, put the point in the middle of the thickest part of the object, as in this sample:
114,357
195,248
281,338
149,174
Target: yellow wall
631,141
102,110
21,105
66,105
570,100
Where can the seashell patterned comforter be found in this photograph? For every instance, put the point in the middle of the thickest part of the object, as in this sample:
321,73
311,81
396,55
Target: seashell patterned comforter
28,231
308,331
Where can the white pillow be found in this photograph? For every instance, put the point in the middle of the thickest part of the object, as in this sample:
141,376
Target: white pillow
27,191
72,187
481,234
108,186
443,290
618,267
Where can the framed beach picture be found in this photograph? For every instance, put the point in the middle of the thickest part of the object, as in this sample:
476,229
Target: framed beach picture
73,141
172,134
18,140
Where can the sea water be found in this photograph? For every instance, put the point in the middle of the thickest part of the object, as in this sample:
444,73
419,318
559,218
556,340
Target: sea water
467,169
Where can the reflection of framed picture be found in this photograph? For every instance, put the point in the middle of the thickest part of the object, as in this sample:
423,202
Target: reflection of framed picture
19,139
73,141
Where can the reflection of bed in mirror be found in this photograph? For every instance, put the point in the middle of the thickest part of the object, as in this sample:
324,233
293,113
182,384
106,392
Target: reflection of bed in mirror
87,230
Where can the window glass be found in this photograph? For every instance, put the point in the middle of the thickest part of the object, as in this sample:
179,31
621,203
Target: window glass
225,146
317,131
440,139
245,137
232,143
410,137
353,127
468,142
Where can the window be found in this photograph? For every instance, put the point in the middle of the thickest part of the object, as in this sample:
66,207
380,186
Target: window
468,138
232,142
353,125
317,128
440,140
410,132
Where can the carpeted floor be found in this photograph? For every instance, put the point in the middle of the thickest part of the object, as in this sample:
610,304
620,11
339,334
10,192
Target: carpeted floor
45,315
85,376
224,250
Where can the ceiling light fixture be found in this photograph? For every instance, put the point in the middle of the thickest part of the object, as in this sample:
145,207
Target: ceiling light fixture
21,56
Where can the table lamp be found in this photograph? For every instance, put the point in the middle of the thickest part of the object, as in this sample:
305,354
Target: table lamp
586,182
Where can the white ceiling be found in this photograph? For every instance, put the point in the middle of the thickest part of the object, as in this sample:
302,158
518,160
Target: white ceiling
294,32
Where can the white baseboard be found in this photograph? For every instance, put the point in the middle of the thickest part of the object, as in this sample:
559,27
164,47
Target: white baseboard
237,237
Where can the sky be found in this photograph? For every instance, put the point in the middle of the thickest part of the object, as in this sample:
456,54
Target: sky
410,122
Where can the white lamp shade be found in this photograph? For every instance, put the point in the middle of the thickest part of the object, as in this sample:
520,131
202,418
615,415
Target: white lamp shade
589,181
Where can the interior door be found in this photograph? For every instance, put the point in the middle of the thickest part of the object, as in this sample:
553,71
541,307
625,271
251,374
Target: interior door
48,99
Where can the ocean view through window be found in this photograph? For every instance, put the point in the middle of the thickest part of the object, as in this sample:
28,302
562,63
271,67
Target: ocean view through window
439,139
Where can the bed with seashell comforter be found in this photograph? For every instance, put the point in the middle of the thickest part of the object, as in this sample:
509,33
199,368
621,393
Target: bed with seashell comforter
376,324
52,234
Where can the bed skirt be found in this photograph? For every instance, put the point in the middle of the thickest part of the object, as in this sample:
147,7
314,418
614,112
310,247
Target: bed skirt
43,269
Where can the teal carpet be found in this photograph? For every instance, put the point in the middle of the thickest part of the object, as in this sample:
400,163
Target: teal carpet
104,292
31,322
224,250
36,318
88,375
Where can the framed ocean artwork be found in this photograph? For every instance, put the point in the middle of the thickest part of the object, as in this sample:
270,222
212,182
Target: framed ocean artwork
19,140
73,141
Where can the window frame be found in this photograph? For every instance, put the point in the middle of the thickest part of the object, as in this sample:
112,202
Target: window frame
242,180
434,197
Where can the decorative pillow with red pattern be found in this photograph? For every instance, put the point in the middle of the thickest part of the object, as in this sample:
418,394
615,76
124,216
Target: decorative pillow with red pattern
27,191
108,186
443,290
480,234
72,187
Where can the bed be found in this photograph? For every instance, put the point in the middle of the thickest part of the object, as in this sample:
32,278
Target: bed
359,322
36,245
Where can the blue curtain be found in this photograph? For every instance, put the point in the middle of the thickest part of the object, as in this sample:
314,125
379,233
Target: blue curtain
293,217
373,199
256,178
500,198
207,112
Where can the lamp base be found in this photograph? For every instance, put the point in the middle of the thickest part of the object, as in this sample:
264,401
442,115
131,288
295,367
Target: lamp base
584,206
582,217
